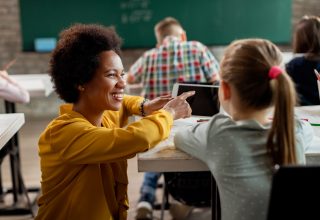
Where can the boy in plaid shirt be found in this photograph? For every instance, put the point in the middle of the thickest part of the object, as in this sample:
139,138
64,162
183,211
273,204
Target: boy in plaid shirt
173,60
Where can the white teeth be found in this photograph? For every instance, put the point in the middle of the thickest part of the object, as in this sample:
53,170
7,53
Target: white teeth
117,95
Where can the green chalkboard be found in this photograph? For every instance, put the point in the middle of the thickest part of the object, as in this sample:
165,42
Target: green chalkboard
213,22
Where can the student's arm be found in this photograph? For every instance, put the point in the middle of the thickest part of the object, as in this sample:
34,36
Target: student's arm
193,140
11,91
209,65
135,72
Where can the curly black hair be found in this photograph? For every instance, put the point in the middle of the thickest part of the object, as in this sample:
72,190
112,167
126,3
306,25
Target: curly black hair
76,57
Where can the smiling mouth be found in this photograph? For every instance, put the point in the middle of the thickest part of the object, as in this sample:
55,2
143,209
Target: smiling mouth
117,96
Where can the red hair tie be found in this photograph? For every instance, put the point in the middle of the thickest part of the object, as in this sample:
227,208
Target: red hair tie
274,72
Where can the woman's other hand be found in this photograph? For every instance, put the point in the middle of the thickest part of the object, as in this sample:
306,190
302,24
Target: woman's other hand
156,104
179,107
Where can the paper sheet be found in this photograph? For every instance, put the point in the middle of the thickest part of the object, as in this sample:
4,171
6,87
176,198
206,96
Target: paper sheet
309,113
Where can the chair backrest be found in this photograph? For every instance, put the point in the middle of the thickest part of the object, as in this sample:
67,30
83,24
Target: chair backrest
295,193
190,188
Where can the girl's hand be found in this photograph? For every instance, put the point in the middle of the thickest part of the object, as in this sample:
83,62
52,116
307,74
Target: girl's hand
156,104
179,107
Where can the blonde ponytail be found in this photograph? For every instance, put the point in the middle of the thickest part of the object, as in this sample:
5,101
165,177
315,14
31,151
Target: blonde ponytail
281,140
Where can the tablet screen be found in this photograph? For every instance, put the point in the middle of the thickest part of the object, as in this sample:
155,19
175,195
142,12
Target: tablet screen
205,102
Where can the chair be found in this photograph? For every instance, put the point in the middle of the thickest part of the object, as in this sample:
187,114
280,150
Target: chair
196,189
295,193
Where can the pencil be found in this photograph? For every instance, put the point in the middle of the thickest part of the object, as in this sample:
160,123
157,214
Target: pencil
8,65
202,120
317,74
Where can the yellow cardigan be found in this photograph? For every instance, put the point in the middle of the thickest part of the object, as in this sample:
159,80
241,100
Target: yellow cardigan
84,168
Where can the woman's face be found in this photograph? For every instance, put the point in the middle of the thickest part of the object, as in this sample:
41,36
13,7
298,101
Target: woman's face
105,91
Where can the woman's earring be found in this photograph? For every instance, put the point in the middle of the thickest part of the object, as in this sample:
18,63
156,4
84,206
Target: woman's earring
81,88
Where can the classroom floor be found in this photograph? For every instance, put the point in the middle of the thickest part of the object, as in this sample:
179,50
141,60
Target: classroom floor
28,137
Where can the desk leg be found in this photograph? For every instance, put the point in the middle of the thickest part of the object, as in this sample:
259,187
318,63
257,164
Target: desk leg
215,201
10,107
18,187
14,170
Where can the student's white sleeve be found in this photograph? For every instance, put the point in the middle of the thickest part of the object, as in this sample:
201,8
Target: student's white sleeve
11,91
305,134
193,140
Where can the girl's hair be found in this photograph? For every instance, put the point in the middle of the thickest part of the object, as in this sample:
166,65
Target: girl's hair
246,65
77,56
307,36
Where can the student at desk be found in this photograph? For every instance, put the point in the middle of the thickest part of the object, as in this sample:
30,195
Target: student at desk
10,90
242,149
306,41
84,151
173,60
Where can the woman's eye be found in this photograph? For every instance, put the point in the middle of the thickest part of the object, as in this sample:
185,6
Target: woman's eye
116,75
112,75
123,75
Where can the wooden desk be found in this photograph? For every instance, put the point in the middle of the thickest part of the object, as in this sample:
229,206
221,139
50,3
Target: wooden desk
38,85
9,126
166,158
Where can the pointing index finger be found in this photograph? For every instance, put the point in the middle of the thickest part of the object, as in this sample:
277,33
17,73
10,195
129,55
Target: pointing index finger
185,95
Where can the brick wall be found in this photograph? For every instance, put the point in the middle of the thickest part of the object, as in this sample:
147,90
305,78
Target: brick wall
304,7
30,62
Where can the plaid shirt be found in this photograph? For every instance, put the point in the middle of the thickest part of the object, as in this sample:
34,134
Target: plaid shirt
173,61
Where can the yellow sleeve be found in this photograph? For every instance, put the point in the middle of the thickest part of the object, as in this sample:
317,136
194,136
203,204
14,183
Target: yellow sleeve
76,141
132,104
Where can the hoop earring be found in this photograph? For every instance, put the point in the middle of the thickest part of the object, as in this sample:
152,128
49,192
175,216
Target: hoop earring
81,88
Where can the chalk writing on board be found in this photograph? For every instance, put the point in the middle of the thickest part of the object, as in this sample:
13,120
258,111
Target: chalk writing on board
135,11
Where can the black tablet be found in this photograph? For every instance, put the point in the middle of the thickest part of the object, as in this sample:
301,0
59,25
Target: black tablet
204,103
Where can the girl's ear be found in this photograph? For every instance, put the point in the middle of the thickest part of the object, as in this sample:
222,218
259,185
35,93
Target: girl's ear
226,91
